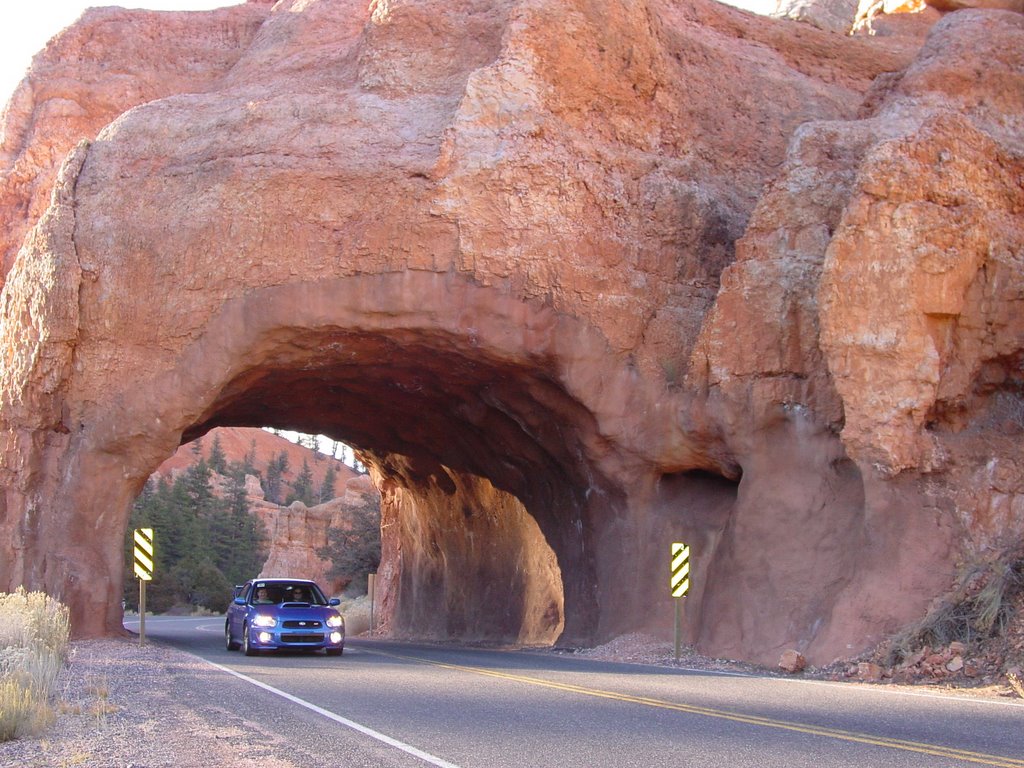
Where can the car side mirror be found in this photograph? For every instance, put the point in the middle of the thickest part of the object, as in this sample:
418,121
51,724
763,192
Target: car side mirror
334,601
239,601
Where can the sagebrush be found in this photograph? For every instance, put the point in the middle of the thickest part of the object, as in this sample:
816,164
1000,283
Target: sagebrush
34,633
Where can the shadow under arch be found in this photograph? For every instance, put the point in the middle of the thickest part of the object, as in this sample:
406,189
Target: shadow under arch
453,377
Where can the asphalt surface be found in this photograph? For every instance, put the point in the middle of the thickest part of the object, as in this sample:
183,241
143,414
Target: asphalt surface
396,704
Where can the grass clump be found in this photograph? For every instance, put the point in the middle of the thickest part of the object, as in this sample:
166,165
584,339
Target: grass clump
34,633
979,608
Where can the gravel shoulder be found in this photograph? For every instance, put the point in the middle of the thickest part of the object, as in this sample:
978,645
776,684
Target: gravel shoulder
123,706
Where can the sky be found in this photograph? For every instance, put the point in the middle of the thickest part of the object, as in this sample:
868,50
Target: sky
29,24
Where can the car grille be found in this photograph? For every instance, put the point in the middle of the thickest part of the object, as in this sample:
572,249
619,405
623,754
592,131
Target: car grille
309,624
296,638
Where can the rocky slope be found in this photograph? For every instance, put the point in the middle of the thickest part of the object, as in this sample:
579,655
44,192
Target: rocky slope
580,279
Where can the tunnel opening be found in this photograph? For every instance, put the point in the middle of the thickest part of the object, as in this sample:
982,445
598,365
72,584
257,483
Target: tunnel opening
240,503
477,459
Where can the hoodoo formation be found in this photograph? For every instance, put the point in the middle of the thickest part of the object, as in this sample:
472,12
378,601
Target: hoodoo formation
578,278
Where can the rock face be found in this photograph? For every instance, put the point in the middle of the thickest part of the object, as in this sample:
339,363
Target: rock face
110,61
297,532
580,279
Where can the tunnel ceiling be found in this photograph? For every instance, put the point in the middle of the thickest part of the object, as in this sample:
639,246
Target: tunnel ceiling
430,397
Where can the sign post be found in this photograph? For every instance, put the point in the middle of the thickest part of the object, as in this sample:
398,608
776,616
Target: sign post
371,588
144,570
680,582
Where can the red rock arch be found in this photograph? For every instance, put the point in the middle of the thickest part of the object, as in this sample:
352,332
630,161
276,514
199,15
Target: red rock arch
454,390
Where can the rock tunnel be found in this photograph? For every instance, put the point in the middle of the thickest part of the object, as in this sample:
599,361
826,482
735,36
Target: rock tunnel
481,409
580,279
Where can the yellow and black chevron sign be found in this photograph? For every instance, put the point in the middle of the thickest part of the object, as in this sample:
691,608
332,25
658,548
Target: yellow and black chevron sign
144,553
680,569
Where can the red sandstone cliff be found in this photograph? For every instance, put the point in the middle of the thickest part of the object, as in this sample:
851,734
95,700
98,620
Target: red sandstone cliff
580,278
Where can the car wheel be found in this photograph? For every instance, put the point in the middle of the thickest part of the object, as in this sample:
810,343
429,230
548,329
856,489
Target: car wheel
334,651
246,647
230,644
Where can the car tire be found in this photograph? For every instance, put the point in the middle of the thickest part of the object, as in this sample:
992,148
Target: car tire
230,644
335,651
246,646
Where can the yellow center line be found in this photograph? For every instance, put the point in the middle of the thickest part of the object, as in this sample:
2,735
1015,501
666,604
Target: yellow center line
934,750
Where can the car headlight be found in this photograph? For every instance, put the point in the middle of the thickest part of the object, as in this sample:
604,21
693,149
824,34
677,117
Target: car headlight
335,621
262,620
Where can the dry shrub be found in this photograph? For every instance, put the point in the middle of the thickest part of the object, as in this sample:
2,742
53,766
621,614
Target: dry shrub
34,620
979,608
1016,683
34,631
22,712
357,615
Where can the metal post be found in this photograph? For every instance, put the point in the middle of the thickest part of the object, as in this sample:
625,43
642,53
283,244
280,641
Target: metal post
142,612
677,601
371,583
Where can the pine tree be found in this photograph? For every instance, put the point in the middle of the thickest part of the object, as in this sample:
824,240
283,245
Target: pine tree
282,462
274,482
355,551
327,486
249,462
218,461
302,488
202,544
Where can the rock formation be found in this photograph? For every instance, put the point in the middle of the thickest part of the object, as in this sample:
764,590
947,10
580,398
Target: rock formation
579,279
296,533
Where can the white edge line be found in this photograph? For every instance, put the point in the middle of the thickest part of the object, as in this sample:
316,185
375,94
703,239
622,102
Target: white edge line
425,756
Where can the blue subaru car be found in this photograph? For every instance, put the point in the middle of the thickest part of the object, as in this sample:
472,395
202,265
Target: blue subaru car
271,614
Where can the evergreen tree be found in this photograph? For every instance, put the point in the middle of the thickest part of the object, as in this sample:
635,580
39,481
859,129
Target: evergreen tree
282,462
243,539
327,486
302,488
249,462
218,461
202,544
354,552
273,491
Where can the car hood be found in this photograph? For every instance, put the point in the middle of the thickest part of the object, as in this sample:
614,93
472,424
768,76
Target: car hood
301,611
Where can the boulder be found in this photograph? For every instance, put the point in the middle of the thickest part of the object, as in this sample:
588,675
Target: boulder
792,661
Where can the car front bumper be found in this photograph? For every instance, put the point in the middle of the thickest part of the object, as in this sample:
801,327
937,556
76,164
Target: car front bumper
276,639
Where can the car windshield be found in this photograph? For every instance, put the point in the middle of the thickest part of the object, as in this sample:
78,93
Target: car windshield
299,592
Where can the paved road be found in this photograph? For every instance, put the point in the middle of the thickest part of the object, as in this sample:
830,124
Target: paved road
406,705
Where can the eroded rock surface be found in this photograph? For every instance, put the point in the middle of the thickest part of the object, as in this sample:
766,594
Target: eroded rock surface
580,279
297,533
